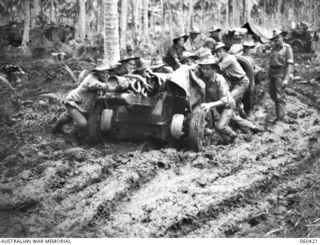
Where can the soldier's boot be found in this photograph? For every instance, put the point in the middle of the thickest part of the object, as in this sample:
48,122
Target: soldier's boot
279,111
63,120
281,114
79,130
227,139
256,129
242,113
230,136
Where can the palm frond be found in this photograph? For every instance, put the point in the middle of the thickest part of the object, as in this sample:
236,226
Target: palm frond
56,96
5,83
71,73
82,75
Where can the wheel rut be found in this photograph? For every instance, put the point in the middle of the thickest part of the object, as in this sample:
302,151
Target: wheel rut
173,204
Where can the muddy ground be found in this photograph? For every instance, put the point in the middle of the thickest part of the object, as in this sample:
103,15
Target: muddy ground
263,185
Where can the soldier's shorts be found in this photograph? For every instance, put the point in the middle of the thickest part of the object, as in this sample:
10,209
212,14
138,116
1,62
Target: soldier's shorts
79,119
222,125
239,88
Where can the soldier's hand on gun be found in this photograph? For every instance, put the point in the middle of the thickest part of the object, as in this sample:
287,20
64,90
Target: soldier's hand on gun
205,106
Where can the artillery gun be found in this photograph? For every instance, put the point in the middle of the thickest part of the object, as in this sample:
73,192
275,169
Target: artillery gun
164,107
300,38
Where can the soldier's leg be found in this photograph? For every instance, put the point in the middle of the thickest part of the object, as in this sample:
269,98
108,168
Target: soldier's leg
240,88
222,126
281,99
79,121
237,93
273,90
64,119
277,93
240,108
215,114
244,124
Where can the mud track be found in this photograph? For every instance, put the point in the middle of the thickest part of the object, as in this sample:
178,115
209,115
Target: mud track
124,190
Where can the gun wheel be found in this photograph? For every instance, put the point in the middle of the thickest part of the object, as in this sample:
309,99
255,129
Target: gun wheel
248,98
94,131
176,126
200,129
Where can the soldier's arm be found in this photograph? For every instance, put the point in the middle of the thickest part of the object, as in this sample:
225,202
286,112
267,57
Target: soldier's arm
176,60
224,91
225,96
226,62
94,84
195,78
289,67
213,104
174,56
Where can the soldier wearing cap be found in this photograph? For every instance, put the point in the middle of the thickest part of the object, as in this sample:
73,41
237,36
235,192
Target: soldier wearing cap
142,68
232,71
217,95
281,64
80,100
158,66
193,44
247,47
189,58
127,65
214,33
206,50
129,50
174,54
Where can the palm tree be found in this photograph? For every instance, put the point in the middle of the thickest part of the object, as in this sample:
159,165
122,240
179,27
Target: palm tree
35,11
26,29
123,22
111,31
81,30
146,20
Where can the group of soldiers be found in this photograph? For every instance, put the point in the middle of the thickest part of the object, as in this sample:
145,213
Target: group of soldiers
225,80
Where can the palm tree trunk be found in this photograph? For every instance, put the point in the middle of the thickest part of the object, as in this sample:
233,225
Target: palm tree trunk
111,32
123,22
234,19
202,5
137,17
190,14
163,17
100,17
152,23
279,12
227,14
316,11
171,23
81,30
180,17
26,29
52,12
244,19
265,12
219,12
248,14
35,12
145,20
